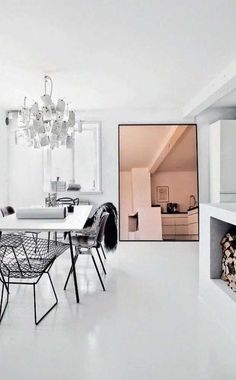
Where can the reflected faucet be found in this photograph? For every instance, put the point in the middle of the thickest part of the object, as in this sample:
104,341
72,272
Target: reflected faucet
192,201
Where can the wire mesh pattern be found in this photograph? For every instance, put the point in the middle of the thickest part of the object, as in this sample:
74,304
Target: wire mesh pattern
25,257
12,241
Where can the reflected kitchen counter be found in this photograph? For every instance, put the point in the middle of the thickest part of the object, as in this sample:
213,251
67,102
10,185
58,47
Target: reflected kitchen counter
180,225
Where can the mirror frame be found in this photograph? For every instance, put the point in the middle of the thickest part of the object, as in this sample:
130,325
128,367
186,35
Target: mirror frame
197,168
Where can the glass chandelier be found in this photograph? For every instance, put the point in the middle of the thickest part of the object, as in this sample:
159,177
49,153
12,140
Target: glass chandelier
46,124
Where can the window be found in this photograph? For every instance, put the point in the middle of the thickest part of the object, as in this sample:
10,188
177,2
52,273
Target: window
79,164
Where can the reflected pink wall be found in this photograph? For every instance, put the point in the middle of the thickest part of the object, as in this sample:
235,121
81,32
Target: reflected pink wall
141,188
125,203
181,186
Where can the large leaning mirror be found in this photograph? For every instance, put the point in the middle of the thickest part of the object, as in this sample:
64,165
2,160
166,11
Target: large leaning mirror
158,182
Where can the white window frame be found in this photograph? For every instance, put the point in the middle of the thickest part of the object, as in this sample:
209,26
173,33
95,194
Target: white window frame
47,159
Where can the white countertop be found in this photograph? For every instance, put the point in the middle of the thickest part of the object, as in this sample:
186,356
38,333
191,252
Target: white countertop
175,215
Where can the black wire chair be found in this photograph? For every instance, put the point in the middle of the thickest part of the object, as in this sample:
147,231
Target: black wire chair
84,243
21,264
65,201
6,211
9,210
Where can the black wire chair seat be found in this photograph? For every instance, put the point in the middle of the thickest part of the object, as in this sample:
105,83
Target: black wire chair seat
25,261
9,210
22,262
12,241
28,271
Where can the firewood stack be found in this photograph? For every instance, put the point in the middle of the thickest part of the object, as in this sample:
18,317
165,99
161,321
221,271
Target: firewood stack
228,243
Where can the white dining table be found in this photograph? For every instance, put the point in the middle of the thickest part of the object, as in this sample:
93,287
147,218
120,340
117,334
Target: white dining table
73,222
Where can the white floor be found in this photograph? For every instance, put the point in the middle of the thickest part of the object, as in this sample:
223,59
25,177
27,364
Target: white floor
150,324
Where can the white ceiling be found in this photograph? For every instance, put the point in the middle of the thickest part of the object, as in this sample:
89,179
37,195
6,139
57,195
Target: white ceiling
139,145
111,54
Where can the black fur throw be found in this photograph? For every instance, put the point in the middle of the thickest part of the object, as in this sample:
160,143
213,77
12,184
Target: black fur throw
110,233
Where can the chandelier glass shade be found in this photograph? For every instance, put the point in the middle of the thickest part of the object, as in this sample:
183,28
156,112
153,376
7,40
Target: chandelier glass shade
46,123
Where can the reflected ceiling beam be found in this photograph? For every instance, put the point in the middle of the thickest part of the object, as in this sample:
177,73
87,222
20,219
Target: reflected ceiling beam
217,89
167,146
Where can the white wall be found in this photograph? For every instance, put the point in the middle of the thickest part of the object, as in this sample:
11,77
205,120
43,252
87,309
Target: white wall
203,121
228,157
3,160
222,161
181,186
214,162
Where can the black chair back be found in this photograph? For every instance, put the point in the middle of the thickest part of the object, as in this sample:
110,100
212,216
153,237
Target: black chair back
101,230
110,231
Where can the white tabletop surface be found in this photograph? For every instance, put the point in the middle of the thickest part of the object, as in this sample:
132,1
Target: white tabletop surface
74,221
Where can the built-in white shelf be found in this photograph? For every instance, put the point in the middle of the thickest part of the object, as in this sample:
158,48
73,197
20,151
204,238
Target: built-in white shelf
215,221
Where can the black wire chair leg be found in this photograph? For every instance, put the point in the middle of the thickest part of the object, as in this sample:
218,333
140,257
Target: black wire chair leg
26,255
70,271
54,291
104,270
7,285
17,261
35,237
99,276
104,255
49,236
3,309
36,241
73,267
37,321
5,249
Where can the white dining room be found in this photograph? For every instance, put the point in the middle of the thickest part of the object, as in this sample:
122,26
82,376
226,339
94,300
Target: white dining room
117,190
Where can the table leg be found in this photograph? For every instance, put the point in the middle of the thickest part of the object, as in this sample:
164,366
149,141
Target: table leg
73,268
